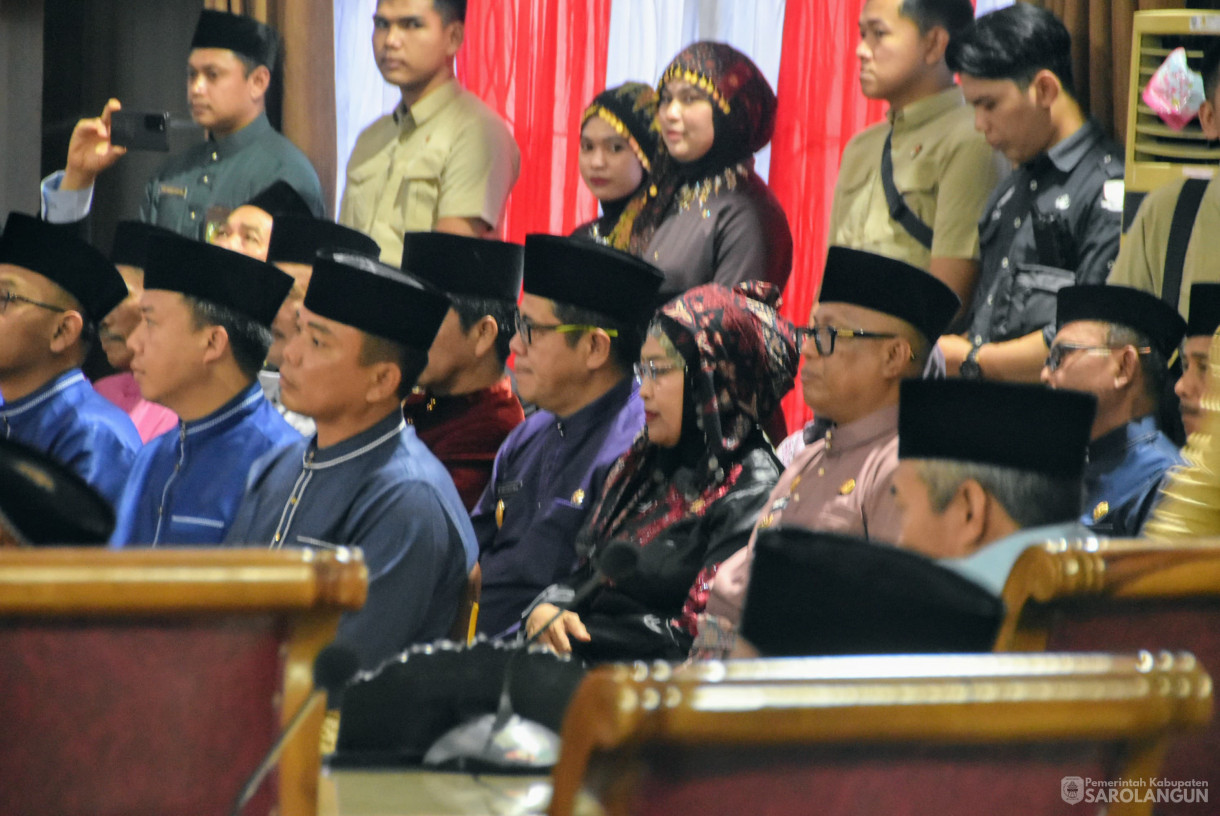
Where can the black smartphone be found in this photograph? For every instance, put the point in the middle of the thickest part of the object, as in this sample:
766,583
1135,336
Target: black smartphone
140,130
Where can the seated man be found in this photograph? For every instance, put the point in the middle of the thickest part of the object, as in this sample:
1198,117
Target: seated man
205,333
579,330
464,405
874,324
1203,322
988,469
365,480
247,228
130,255
1114,342
54,289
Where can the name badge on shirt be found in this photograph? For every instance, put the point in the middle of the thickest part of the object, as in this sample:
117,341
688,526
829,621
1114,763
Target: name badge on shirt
170,190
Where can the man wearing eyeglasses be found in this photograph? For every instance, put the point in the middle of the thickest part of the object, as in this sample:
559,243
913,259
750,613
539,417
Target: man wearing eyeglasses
875,323
580,326
1114,342
54,290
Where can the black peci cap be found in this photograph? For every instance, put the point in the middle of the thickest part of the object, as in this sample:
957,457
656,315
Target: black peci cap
888,286
1204,307
299,238
1123,306
42,502
590,276
280,199
459,265
243,35
131,240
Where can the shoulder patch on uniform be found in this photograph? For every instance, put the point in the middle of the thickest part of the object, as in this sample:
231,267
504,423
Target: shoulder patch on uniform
1112,193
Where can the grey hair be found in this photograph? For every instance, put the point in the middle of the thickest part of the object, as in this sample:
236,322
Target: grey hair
1031,499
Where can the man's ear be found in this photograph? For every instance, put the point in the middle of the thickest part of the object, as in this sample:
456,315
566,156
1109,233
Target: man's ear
969,534
598,345
67,330
1046,88
259,81
1207,119
936,42
455,34
1128,365
486,331
384,378
217,343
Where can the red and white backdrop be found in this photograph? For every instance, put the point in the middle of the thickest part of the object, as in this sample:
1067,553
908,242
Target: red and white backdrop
539,62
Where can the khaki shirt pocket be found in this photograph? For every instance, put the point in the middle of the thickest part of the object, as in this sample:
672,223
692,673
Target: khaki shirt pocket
918,182
419,192
362,193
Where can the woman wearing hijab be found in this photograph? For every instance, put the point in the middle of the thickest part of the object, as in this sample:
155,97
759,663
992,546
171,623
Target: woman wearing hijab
707,216
687,492
618,141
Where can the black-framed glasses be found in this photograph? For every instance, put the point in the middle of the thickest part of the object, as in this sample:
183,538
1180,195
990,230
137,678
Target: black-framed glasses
1061,351
651,369
526,328
8,296
824,337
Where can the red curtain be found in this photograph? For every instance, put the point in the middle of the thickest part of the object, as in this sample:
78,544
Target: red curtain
820,109
538,63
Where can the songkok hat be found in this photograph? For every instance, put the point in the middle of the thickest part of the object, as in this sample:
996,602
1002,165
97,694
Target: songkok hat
818,593
53,251
1026,427
42,502
460,265
280,199
246,285
1124,306
131,240
590,276
888,286
299,238
375,298
1204,309
243,35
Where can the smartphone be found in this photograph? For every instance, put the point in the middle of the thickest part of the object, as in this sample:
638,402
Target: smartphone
140,130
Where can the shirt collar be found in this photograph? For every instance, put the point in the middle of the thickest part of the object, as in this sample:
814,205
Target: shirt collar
427,106
493,393
1072,150
58,385
1115,444
863,432
354,447
925,110
595,414
234,142
226,416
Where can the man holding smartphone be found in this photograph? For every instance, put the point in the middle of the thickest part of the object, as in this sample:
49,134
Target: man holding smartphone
228,73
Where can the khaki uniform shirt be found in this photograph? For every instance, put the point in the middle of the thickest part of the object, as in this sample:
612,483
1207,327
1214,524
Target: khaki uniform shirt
447,156
1141,261
943,168
839,483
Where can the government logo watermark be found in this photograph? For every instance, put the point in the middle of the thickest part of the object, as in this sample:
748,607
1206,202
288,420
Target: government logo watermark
1077,789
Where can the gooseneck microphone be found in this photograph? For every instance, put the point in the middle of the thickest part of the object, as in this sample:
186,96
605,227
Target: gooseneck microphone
332,669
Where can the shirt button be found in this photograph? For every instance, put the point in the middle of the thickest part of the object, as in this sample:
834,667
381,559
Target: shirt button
990,299
978,340
1033,185
192,215
1016,222
1107,158
205,179
214,156
1004,263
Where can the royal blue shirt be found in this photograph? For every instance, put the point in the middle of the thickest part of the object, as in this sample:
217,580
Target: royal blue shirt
383,491
70,422
547,478
187,484
1123,476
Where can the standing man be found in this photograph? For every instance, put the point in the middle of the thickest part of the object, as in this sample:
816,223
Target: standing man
913,187
442,160
228,73
464,405
207,313
1055,221
54,290
1114,343
365,480
579,330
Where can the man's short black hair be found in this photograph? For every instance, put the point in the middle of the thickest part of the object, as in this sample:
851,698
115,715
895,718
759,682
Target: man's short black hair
248,339
1014,43
951,15
1210,69
450,10
410,361
471,310
624,349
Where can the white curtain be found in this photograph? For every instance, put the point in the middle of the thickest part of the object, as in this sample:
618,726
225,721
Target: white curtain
981,7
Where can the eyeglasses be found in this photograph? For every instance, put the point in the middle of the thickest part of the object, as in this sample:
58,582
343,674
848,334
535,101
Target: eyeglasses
824,337
7,297
651,369
526,328
1061,351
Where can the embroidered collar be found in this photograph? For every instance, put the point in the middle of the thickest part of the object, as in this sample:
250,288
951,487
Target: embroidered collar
227,415
1110,448
32,400
863,432
226,146
597,413
386,430
924,110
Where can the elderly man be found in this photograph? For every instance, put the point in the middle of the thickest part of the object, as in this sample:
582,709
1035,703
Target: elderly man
1114,342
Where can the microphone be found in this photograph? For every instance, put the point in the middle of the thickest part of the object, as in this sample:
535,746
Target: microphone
332,669
505,741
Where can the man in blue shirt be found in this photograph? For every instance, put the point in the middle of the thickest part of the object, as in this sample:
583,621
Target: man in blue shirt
54,290
228,73
364,479
206,330
1115,342
579,329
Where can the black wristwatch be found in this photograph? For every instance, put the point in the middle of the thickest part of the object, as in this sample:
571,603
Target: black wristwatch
970,366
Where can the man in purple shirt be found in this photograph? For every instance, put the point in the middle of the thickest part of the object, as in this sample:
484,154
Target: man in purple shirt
579,329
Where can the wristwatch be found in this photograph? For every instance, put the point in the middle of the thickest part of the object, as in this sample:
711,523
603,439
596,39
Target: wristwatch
970,366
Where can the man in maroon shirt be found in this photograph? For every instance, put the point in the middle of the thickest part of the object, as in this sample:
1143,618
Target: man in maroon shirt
464,406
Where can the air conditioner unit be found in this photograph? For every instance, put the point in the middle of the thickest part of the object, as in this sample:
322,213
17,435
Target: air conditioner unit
1156,153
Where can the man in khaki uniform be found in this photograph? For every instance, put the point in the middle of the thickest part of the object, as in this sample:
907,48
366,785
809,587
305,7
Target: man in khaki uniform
874,325
942,170
1141,261
442,160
